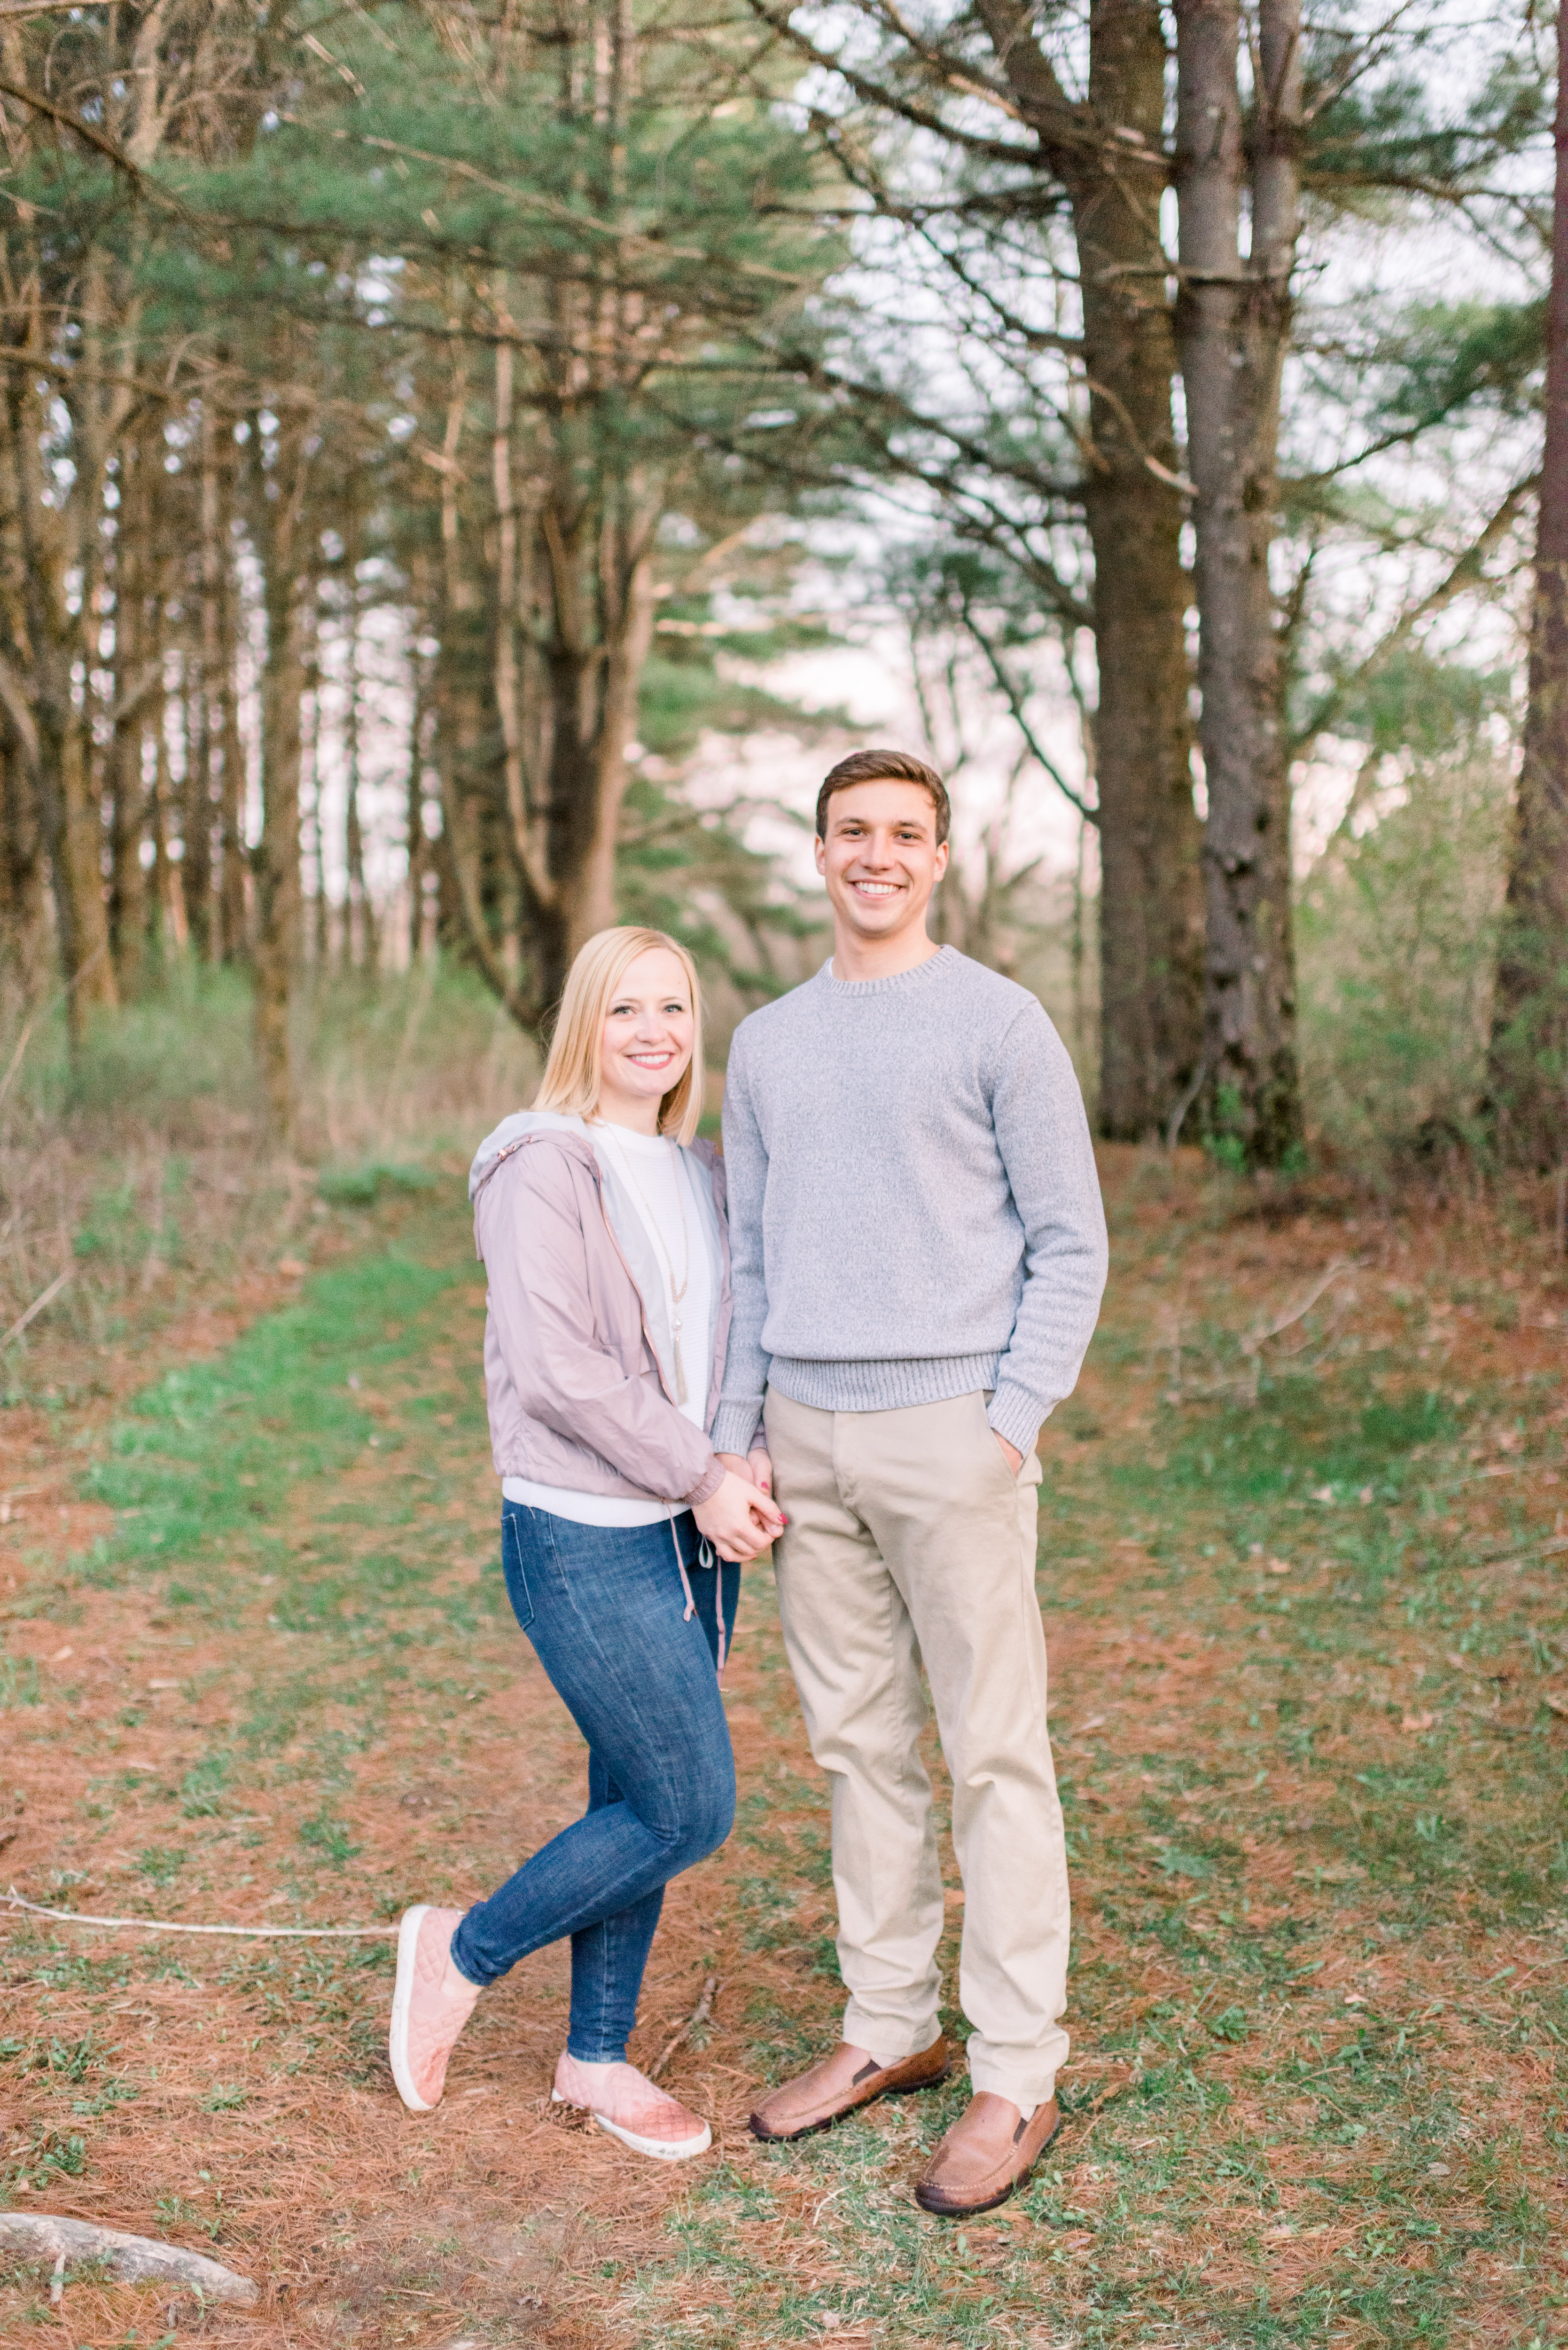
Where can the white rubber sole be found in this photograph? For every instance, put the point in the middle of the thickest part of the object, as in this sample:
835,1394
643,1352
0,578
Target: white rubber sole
402,1999
658,2149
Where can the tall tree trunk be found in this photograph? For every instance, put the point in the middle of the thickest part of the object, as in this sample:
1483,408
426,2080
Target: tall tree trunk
24,919
593,693
221,586
205,754
1110,157
55,732
317,933
288,581
59,537
134,548
627,588
1232,321
360,911
196,819
168,871
76,837
197,814
1151,904
1528,1064
419,846
459,728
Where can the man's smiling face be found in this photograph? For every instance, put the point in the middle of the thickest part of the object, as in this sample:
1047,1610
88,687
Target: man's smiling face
880,858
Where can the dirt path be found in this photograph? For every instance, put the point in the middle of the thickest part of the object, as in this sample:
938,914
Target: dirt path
1310,1660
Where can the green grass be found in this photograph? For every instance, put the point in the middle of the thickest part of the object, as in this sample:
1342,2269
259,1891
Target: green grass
212,1451
1235,2108
1319,1998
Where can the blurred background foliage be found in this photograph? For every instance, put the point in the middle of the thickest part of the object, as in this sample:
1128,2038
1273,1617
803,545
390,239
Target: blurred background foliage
468,471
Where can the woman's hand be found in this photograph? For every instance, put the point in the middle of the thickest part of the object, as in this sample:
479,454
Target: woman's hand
738,1520
756,1465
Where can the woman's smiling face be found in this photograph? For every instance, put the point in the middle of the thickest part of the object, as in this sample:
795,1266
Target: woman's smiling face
646,1047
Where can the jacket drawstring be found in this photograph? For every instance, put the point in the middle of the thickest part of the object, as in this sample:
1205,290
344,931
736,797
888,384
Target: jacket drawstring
706,1556
681,1563
708,1559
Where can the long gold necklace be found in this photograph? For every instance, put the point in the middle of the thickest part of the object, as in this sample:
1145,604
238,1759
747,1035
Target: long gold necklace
677,1293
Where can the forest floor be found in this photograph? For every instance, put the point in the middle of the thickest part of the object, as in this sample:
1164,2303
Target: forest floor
1303,1565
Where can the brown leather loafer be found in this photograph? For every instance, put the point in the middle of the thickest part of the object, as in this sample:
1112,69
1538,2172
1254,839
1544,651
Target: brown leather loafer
990,2150
841,2084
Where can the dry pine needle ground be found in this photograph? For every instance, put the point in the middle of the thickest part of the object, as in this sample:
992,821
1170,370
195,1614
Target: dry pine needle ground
1303,1567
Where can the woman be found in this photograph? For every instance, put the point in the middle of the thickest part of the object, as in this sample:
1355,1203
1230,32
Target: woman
601,1223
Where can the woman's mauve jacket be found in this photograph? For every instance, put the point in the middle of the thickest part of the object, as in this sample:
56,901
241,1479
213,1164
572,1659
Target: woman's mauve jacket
578,1327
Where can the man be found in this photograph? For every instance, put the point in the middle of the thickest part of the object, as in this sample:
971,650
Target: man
919,1252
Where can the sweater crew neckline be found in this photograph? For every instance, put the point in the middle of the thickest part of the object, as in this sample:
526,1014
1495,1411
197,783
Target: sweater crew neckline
918,975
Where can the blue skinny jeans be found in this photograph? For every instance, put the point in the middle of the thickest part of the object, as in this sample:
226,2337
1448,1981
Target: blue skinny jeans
605,1609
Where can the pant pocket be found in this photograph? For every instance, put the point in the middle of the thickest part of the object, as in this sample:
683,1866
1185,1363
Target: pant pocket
511,1567
988,1451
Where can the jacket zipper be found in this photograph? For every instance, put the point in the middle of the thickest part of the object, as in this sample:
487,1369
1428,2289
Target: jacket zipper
641,1303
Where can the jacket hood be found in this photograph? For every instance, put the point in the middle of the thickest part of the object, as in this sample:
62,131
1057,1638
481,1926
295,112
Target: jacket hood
571,1130
512,1129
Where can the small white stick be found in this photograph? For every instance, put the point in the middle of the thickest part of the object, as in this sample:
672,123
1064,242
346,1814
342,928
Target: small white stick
1256,1338
37,1304
171,1926
699,2014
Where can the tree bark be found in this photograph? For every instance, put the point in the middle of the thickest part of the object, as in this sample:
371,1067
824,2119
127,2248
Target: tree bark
1233,320
220,587
56,732
288,581
196,829
1151,908
23,918
460,727
593,684
418,845
1528,1062
203,727
361,945
169,872
1109,157
126,793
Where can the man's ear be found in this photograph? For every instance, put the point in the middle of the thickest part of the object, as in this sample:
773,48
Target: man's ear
819,850
942,848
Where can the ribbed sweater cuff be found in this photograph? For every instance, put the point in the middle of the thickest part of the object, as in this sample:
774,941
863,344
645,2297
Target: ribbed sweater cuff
880,1386
735,1425
1016,1416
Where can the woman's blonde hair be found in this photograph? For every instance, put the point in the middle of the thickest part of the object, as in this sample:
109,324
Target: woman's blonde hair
574,1070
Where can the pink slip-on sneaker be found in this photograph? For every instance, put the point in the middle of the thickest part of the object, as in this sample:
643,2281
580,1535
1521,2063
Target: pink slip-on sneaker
431,2005
627,2105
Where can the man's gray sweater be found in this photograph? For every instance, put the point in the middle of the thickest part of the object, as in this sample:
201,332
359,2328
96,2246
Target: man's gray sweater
914,1210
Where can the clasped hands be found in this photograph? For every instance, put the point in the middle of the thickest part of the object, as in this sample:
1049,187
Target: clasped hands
742,1519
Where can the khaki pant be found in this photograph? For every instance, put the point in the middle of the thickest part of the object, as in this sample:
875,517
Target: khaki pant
909,1537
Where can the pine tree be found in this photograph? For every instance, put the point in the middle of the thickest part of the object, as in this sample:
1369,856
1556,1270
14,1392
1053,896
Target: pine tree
1528,1060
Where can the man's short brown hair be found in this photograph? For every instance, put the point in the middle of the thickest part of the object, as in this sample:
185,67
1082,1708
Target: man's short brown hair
885,767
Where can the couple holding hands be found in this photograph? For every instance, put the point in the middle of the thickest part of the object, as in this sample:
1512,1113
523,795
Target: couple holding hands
840,1341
